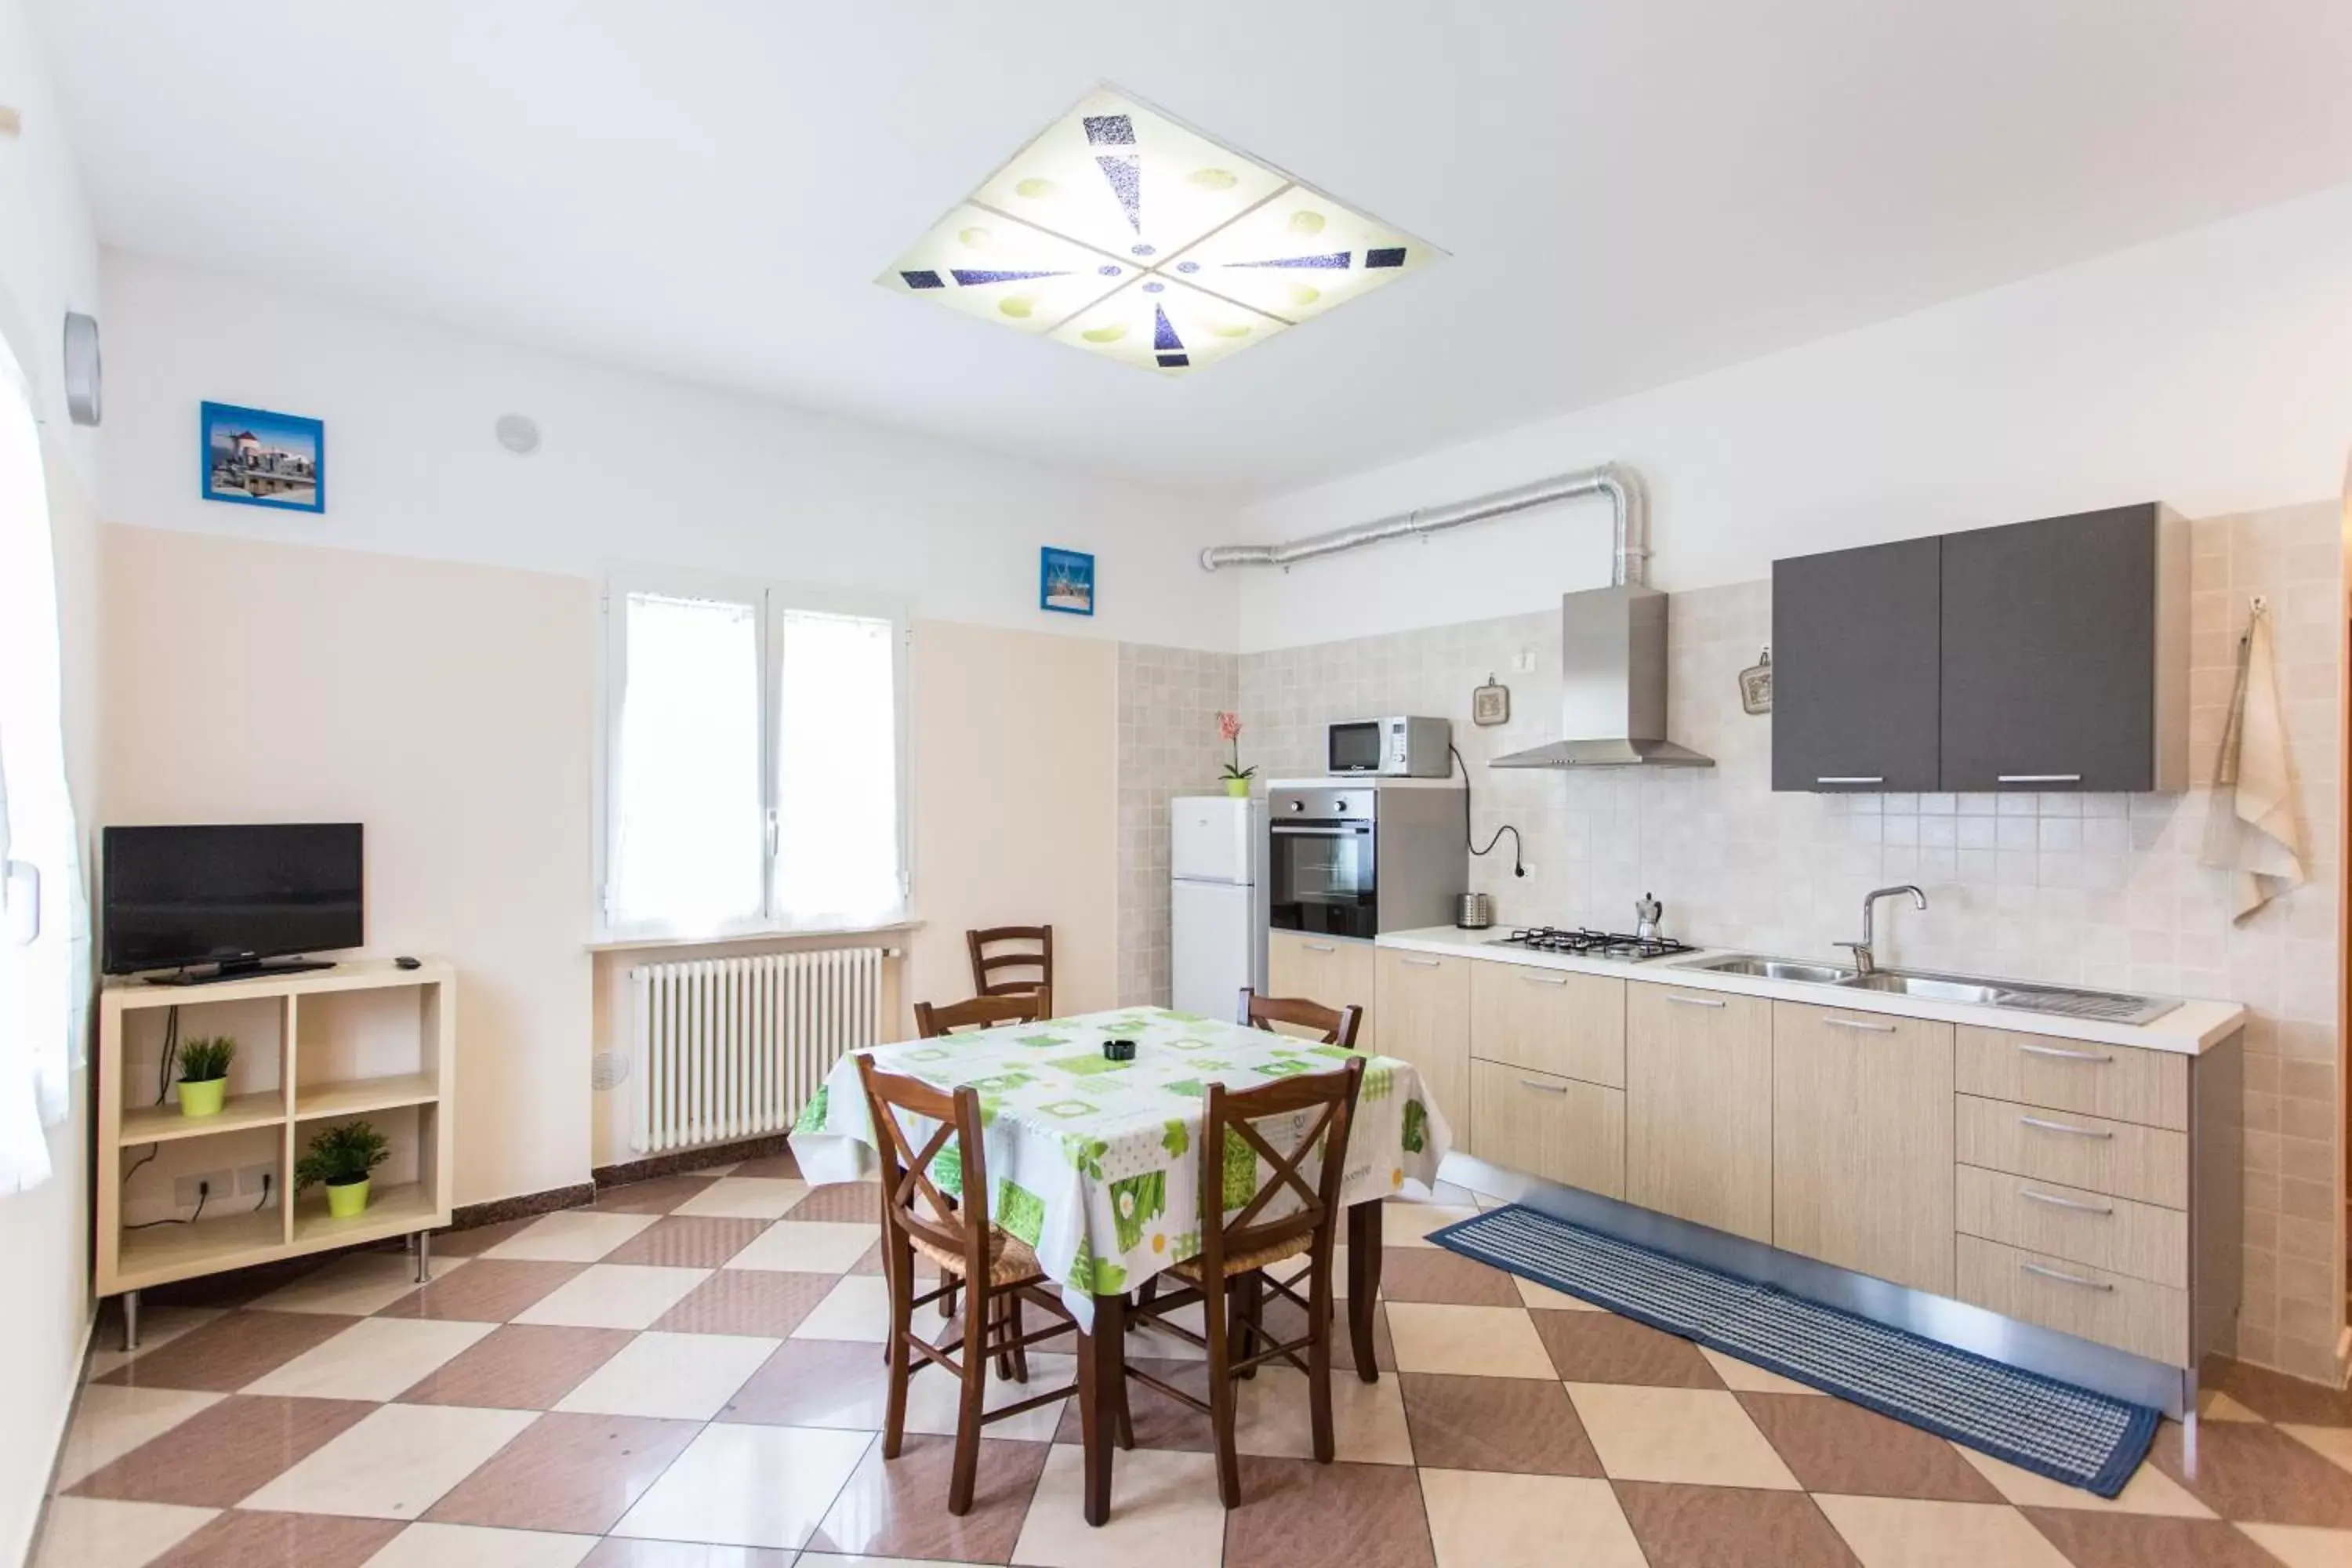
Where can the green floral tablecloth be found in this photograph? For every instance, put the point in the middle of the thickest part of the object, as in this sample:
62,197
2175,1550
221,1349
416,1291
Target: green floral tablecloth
1094,1161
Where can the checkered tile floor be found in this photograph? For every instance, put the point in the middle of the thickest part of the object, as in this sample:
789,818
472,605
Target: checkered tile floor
687,1375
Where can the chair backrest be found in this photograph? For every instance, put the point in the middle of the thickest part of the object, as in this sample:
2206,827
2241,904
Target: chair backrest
912,1201
1233,1115
1028,966
980,1013
1336,1025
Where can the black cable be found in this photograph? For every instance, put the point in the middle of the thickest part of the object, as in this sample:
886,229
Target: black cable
203,1192
263,1202
152,1149
171,1052
1517,868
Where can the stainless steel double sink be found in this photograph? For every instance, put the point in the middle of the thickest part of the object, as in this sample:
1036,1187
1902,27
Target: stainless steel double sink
2019,996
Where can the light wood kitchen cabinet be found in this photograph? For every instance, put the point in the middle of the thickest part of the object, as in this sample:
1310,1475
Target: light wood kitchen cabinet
1862,1142
1424,1003
1699,1107
2142,1240
1570,1026
2150,1088
2118,1158
2092,1303
1333,970
1556,1128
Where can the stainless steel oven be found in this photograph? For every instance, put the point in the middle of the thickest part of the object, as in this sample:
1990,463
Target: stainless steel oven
1354,861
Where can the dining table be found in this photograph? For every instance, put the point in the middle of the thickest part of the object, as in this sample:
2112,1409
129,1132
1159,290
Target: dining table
1092,1159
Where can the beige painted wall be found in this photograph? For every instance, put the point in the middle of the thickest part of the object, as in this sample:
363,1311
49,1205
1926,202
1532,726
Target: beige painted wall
447,707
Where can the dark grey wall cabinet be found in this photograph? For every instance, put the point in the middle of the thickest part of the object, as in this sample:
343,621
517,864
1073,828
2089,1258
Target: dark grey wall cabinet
2053,675
1854,668
2041,655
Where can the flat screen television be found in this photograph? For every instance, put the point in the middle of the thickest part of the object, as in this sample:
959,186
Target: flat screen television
231,896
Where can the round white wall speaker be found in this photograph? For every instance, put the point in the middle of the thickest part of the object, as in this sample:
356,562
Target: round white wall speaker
608,1070
518,434
83,375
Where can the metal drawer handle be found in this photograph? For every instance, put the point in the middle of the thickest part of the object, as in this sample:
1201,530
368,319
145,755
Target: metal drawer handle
1544,979
1858,1023
2065,1278
2063,1055
1319,947
1422,963
2077,1204
2061,1127
1547,1088
1851,778
2040,778
1692,1001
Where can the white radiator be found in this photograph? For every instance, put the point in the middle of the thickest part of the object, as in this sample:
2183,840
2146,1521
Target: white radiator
732,1048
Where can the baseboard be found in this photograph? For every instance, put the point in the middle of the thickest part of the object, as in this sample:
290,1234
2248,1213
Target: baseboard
523,1206
687,1159
65,1430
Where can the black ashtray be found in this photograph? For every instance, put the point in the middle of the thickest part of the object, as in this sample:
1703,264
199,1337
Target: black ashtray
1118,1050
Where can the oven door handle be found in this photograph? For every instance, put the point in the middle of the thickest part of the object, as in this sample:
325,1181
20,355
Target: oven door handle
1284,830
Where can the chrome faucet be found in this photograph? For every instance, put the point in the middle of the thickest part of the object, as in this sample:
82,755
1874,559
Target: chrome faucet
1863,961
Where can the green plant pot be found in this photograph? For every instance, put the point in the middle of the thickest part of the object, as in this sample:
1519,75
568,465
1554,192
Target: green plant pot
345,1199
203,1098
1237,788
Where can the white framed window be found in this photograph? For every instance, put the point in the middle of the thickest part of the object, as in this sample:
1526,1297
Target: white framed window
755,758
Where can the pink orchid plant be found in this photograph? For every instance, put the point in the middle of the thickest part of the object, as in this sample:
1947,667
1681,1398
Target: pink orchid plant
1229,725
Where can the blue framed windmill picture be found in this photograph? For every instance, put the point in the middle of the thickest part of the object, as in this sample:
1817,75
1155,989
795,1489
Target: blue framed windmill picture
255,457
1066,582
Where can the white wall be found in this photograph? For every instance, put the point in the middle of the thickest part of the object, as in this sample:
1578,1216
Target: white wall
633,468
48,264
2212,370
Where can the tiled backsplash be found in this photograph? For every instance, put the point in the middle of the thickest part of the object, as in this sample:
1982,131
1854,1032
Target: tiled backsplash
2099,889
1168,699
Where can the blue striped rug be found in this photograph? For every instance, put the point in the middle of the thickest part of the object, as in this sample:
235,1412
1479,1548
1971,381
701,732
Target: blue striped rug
2035,1423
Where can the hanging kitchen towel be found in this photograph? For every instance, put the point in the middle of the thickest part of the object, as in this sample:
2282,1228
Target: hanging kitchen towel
2250,822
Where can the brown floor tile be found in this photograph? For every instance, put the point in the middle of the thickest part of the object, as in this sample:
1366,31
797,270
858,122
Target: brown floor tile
2258,1474
783,1166
521,1366
1515,1424
573,1473
660,1195
1602,1347
480,1238
619,1552
2275,1396
687,1241
1296,1513
239,1540
898,1508
229,1351
748,1302
236,1288
2091,1539
486,1290
1159,1421
223,1453
842,1202
1286,1321
1729,1527
816,1382
1431,1274
1833,1446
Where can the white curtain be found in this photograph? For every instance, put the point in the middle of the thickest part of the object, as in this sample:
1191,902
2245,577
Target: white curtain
44,922
838,861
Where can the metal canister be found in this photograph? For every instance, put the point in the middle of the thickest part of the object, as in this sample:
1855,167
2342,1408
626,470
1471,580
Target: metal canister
1473,911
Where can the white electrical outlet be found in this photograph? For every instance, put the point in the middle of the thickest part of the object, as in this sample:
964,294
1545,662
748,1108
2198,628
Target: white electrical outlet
190,1189
253,1179
1523,661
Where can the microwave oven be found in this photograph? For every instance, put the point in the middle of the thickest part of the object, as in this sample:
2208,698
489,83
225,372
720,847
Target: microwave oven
1392,748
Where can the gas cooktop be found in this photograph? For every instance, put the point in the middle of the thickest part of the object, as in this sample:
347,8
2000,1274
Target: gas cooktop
1594,943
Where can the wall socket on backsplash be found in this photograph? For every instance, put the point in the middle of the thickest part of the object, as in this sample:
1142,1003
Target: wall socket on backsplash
1523,661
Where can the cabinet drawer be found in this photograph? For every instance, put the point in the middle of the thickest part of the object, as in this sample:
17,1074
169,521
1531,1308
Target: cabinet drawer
1572,1025
2120,1158
2115,1234
1552,1127
2075,1298
1332,970
2115,1081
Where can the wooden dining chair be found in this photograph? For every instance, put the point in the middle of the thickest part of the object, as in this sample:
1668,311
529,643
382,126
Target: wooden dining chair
1026,962
1336,1025
980,1013
1228,1276
997,1270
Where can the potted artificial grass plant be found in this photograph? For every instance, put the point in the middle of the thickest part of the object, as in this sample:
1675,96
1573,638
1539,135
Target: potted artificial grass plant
340,1158
204,1074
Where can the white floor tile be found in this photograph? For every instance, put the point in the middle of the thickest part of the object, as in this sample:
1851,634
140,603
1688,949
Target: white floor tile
615,1296
1472,1342
1409,1225
2149,1490
472,1546
1481,1518
2302,1545
375,1358
1744,1377
1164,1513
2335,1442
355,1285
1275,1418
684,1378
394,1463
89,1532
1904,1532
807,1246
750,1197
749,1486
858,1308
572,1236
110,1422
933,1399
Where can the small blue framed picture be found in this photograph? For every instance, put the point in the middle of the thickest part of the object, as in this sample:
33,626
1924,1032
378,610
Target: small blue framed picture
1066,582
255,458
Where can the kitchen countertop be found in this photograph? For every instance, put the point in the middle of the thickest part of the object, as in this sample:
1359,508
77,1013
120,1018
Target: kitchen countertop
2189,1029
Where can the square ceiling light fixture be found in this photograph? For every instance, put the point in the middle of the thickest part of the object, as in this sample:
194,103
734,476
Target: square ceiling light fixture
1124,233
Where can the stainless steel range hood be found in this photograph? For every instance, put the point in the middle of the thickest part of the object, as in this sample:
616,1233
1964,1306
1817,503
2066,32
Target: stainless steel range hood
1612,686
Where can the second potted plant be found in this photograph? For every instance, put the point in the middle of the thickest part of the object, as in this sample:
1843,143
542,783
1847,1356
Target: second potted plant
340,1158
204,1074
1237,777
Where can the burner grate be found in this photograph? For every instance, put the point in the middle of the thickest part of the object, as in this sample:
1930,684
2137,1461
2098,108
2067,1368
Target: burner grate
1594,943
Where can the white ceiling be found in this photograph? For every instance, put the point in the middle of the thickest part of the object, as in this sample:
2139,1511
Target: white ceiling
1634,191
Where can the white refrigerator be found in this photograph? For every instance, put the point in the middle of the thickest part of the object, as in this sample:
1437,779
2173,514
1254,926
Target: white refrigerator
1216,901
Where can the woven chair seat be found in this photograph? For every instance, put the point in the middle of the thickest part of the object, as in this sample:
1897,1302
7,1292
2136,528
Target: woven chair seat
1243,1262
1010,1260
